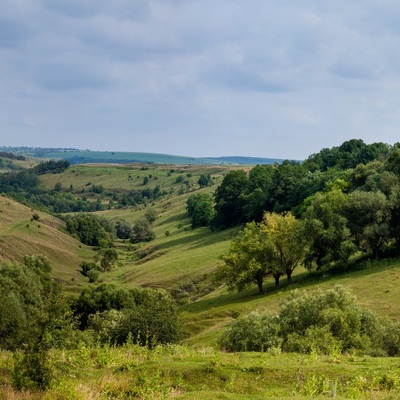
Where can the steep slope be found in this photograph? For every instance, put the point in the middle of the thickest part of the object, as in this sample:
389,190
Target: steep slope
21,235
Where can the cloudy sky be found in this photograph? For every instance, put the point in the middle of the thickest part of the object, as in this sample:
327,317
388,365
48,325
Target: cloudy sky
198,77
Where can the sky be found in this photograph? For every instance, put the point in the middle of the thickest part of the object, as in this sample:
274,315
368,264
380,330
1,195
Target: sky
261,78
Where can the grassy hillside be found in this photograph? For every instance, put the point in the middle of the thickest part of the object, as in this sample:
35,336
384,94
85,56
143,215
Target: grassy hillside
20,236
182,260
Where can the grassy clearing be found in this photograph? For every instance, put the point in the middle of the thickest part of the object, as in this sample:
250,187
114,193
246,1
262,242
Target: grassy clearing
180,372
130,177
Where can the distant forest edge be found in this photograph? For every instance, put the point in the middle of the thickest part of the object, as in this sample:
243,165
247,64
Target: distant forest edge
76,156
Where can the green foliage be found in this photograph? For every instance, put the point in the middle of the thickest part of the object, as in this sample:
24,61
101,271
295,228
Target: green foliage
369,215
348,155
284,193
257,197
323,322
90,229
123,229
32,370
230,199
273,247
330,240
286,235
51,166
103,297
255,332
249,259
152,321
115,315
150,214
86,267
142,232
108,259
33,310
200,208
204,180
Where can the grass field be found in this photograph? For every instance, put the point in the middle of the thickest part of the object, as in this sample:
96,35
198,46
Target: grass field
180,372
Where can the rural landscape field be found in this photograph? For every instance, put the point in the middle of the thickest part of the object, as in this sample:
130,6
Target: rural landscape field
155,279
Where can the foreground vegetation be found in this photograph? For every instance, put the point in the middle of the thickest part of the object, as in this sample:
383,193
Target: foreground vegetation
180,372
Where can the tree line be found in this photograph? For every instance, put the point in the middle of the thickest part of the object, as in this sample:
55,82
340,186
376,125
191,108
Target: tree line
338,203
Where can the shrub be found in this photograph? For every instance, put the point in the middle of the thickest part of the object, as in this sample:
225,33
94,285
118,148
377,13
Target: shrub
327,322
255,332
142,232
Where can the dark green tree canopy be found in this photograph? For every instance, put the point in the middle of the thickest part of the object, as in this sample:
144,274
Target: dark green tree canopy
230,199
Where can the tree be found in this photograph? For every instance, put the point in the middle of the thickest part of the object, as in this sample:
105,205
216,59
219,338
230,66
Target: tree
151,214
108,259
260,179
90,229
250,259
368,215
200,208
286,234
330,240
230,199
123,229
204,180
283,193
142,232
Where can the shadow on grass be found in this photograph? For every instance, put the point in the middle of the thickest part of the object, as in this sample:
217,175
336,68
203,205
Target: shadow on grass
183,216
246,296
198,238
302,280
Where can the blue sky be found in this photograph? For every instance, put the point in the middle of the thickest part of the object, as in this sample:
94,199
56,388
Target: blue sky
260,78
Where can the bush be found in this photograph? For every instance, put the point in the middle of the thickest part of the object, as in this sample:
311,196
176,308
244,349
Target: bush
115,315
142,232
327,322
255,332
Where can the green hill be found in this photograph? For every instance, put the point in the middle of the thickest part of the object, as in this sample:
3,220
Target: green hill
21,235
182,259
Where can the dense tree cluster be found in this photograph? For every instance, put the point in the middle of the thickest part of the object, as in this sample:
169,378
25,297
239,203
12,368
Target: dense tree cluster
12,156
93,230
36,315
51,166
289,185
347,197
115,315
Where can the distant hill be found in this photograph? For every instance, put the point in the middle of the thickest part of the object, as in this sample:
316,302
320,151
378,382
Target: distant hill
245,160
76,156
